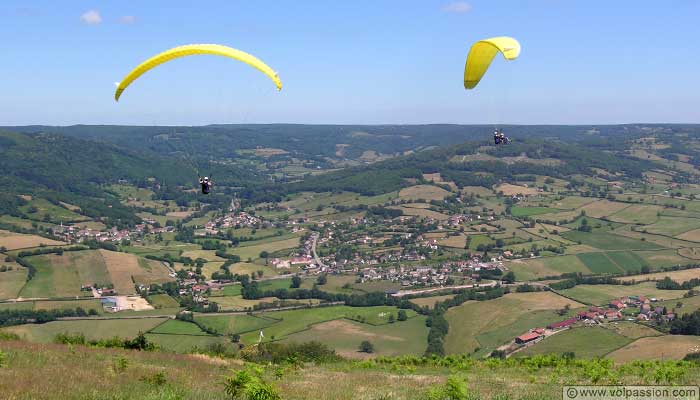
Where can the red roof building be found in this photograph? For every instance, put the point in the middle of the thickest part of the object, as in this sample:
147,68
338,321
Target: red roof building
563,324
526,338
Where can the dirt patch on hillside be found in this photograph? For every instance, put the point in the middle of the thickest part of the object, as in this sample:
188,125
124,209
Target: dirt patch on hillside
348,328
511,190
121,267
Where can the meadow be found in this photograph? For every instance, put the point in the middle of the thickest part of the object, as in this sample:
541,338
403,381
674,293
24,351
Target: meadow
602,294
585,342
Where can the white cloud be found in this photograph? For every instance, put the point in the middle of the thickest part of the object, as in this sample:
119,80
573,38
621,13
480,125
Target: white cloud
459,7
127,20
91,17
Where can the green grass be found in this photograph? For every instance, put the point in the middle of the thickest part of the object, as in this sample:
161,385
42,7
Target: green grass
92,329
637,214
57,213
62,276
627,260
184,343
399,338
230,324
587,342
530,211
284,323
163,301
504,334
672,226
251,250
608,241
11,282
599,263
177,327
602,294
228,290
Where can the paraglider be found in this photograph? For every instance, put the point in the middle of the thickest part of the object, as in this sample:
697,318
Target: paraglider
206,184
482,53
191,50
499,137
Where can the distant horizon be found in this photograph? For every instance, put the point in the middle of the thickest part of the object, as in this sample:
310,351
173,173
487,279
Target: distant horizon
490,125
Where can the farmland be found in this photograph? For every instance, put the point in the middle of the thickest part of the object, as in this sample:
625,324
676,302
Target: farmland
15,241
602,294
96,329
472,319
596,341
667,347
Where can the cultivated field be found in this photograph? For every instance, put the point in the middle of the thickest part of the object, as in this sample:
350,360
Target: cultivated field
424,192
658,348
592,342
11,282
678,276
14,241
345,336
512,190
471,319
602,294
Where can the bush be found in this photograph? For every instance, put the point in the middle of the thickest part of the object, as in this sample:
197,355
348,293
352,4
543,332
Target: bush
249,385
454,389
366,347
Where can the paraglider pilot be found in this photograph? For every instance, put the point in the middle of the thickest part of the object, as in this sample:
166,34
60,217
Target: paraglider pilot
499,137
206,184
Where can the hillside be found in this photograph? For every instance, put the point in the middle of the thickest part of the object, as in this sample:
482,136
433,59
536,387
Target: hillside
134,374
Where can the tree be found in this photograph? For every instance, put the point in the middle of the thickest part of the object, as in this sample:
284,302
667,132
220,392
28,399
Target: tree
296,282
391,318
402,315
366,347
509,277
322,279
264,254
645,269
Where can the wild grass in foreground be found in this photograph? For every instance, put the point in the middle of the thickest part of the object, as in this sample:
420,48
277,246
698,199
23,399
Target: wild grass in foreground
57,371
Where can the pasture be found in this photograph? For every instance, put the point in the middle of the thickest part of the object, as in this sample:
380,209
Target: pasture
11,282
532,268
251,250
92,329
530,211
423,192
345,336
637,214
602,294
15,241
667,347
632,330
590,342
608,241
472,319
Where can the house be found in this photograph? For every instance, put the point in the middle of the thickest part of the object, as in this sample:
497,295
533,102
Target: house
539,331
527,338
617,304
563,324
613,314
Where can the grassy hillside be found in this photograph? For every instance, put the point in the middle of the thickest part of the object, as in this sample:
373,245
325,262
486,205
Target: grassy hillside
71,372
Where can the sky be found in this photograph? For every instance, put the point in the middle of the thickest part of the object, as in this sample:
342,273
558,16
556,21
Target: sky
351,62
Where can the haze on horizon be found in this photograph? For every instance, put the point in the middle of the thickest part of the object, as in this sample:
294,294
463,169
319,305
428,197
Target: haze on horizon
361,62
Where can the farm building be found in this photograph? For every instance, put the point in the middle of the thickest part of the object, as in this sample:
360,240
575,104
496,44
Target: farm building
563,324
527,338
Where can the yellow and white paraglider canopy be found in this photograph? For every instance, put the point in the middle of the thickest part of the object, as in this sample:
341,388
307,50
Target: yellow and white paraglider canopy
482,53
192,50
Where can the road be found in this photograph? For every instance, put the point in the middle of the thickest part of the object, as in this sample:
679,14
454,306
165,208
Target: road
402,293
313,250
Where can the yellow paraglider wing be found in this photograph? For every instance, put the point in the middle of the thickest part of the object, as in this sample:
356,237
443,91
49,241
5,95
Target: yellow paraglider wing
191,50
482,53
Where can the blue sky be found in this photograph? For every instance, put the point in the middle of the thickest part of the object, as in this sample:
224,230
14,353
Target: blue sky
351,62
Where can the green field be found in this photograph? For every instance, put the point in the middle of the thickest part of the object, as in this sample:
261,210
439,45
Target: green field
399,338
251,250
62,276
602,294
672,226
11,282
637,214
477,325
92,329
599,263
162,301
177,327
627,260
608,241
588,342
530,211
228,290
533,268
281,324
184,343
